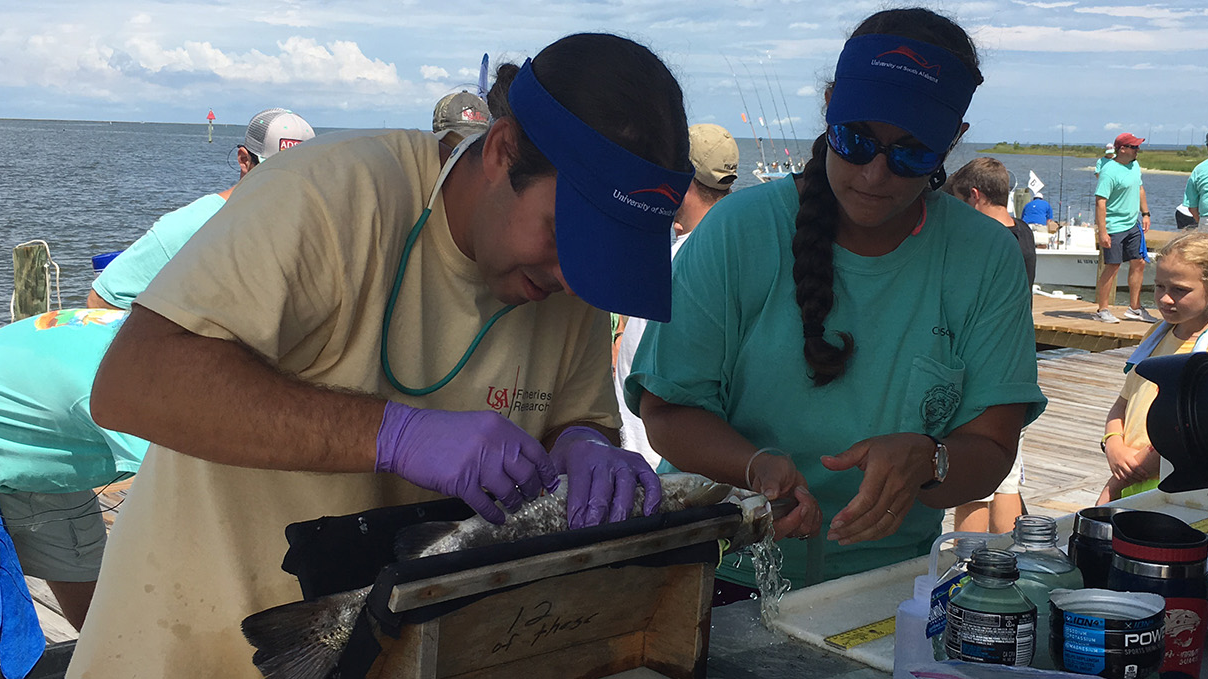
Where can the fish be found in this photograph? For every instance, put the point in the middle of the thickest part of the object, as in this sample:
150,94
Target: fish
305,639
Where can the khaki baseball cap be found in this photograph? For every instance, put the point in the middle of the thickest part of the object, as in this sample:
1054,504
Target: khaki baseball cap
714,155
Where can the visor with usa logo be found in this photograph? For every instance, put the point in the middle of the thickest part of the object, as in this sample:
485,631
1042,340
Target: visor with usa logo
613,209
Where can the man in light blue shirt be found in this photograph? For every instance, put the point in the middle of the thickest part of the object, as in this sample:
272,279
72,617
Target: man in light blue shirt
1122,218
269,131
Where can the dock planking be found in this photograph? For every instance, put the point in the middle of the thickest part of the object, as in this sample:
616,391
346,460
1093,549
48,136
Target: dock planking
1064,468
1070,323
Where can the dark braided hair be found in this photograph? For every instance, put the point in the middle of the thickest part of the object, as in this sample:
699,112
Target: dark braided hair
818,214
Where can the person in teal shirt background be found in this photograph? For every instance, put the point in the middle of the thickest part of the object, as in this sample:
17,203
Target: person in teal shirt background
51,452
269,131
876,335
1195,197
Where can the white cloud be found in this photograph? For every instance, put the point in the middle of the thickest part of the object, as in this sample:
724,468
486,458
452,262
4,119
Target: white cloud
1112,127
1142,12
807,91
802,26
433,72
1045,5
1118,40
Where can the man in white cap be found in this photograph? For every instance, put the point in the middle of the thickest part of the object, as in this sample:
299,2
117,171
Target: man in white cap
462,114
714,156
1038,214
270,131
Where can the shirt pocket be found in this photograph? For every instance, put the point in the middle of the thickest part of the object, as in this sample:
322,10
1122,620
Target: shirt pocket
933,395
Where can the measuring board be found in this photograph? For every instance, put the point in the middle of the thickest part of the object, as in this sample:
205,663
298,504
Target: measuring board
862,634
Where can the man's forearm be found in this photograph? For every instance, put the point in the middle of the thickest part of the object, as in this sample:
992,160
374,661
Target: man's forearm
215,400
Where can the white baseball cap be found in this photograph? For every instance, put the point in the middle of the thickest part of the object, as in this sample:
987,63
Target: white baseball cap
275,129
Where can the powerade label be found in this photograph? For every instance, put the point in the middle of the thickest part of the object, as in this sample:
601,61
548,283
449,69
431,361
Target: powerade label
1124,649
940,596
1184,636
996,638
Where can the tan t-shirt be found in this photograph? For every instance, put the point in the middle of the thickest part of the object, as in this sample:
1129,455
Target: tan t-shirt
299,265
1140,392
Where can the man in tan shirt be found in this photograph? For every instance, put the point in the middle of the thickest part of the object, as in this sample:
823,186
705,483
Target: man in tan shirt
353,329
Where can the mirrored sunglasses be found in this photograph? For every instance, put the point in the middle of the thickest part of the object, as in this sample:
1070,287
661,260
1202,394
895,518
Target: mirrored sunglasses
860,149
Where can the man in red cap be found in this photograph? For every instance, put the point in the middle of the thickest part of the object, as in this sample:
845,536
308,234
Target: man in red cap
1122,217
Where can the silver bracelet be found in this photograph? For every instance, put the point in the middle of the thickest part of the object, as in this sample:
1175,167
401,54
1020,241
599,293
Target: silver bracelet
752,459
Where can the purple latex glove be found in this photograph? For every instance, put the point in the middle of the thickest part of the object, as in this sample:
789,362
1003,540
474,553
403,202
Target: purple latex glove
601,478
466,455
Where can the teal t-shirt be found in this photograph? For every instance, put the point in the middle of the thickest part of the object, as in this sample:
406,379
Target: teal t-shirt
1196,194
1121,185
942,328
130,272
48,441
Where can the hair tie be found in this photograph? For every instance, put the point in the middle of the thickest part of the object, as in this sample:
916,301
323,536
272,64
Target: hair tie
813,330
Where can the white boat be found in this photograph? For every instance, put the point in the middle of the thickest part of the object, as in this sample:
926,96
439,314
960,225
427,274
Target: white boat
765,173
1070,257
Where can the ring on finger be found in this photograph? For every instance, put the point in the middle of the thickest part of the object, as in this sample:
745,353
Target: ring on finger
890,512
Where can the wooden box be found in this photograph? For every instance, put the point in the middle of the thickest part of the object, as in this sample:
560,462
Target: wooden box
565,614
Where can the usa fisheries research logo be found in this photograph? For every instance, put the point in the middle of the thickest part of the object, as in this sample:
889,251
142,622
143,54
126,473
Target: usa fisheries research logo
922,67
516,399
939,405
640,203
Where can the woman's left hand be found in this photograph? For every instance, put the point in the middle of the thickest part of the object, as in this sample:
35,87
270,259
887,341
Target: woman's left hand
894,467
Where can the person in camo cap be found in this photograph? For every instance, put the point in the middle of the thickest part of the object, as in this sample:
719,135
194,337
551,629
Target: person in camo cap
462,114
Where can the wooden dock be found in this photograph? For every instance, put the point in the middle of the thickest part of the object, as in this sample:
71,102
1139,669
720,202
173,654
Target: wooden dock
1071,323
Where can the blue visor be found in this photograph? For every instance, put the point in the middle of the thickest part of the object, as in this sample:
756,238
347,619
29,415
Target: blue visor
613,210
919,87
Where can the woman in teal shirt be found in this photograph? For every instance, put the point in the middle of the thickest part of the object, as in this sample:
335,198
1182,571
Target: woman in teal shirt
851,336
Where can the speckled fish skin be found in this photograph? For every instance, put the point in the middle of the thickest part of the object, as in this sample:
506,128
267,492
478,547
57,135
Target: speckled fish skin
547,514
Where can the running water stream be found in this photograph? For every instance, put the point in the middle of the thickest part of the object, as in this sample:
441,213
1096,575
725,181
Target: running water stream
767,559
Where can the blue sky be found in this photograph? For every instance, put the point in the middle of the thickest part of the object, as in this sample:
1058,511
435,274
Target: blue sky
1095,67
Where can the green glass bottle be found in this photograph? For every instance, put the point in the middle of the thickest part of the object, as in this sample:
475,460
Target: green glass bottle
1042,568
990,620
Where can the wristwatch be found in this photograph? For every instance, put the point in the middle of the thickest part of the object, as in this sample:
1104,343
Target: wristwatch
939,464
1144,214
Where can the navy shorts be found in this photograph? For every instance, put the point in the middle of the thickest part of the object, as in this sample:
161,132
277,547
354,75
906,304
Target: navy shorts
1126,246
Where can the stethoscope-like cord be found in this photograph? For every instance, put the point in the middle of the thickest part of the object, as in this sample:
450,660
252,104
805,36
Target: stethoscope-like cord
412,237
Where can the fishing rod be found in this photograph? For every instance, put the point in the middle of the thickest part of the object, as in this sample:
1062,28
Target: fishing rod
796,141
762,114
776,110
746,114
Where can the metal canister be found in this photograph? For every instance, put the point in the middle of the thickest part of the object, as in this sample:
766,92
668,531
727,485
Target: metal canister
1158,553
1117,635
1090,546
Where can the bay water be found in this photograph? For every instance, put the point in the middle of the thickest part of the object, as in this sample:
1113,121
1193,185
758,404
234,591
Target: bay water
91,187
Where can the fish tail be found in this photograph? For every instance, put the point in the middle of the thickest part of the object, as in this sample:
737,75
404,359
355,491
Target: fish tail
301,640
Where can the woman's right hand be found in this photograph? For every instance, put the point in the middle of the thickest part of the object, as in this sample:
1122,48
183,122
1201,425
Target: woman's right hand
775,476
